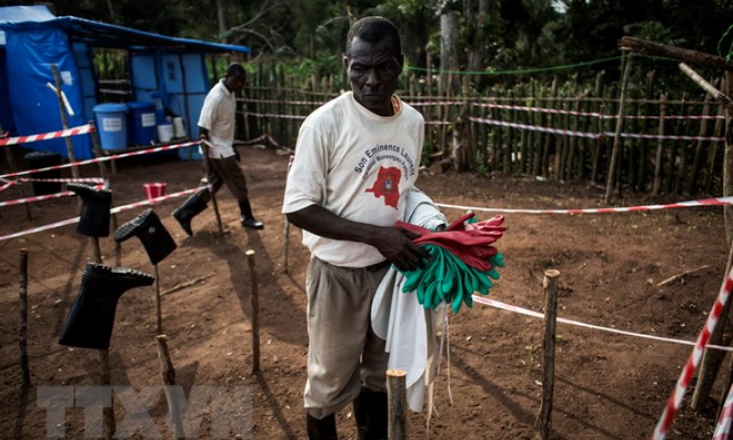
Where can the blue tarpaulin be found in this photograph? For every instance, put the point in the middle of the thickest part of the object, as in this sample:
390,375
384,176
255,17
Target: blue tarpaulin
34,40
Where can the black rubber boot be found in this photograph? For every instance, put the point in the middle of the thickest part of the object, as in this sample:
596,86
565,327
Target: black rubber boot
324,429
371,415
92,315
247,219
155,238
94,216
190,209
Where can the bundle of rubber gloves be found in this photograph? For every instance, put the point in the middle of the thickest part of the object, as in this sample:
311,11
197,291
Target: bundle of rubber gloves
463,262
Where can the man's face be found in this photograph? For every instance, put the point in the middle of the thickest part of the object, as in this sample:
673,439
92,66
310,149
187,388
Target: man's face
234,82
373,70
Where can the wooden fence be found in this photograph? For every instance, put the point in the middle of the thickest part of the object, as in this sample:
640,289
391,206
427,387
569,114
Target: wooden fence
552,129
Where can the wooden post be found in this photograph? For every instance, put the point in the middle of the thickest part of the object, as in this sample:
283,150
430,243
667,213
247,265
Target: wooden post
13,169
728,160
207,164
169,379
255,312
108,413
286,227
23,308
617,135
712,359
545,164
397,408
544,419
103,172
660,142
713,152
158,308
64,121
698,158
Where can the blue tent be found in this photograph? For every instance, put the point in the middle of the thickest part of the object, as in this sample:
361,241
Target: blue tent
32,39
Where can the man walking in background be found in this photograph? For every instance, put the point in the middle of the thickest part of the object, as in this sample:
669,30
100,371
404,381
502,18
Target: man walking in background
216,132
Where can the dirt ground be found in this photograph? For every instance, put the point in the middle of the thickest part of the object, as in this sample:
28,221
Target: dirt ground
607,386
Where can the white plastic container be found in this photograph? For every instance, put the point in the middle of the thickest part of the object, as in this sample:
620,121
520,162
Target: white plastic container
165,132
178,130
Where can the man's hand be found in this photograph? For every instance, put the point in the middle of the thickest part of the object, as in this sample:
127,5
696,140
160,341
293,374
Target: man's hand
397,246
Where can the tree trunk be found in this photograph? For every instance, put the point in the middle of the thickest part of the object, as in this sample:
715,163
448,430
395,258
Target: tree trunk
477,52
221,14
448,45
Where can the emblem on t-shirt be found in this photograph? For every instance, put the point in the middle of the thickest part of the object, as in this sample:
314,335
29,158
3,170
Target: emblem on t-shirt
387,185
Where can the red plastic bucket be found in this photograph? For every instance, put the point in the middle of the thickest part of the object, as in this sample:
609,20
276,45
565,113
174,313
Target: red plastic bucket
154,190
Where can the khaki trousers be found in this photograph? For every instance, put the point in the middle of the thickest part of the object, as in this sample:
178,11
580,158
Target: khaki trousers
224,171
343,351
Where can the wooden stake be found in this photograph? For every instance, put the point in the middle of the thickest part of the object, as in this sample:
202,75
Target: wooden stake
286,227
64,121
23,308
728,160
712,91
207,166
108,413
158,309
544,419
255,312
103,172
169,379
617,135
658,159
397,412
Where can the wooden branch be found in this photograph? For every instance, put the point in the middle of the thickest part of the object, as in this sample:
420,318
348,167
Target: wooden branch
544,419
712,91
690,56
255,297
169,379
23,330
682,275
184,285
397,404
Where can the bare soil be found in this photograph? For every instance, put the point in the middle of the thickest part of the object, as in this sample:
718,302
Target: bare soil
607,386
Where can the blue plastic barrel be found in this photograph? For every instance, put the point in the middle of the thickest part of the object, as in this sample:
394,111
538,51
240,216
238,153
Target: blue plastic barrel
111,125
142,122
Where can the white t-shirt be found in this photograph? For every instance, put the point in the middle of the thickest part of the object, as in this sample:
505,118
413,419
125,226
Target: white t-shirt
218,115
357,165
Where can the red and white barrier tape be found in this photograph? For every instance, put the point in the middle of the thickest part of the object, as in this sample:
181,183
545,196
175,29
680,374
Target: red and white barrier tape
722,428
522,311
65,180
7,185
84,129
269,115
589,114
264,137
71,221
40,198
667,137
103,159
271,101
536,128
98,181
552,111
704,202
673,404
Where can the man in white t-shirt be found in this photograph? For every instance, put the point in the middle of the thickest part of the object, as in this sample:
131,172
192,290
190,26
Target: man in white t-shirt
356,158
216,132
